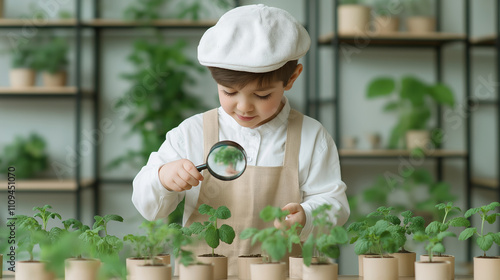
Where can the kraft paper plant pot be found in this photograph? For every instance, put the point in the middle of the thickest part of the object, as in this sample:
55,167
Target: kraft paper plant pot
165,258
81,269
154,272
268,271
220,265
420,24
315,271
32,270
442,258
57,79
386,24
354,19
486,268
22,77
417,139
295,267
432,270
377,268
244,263
132,263
360,263
196,271
406,263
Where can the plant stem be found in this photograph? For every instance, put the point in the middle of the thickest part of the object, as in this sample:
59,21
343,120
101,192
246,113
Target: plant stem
445,215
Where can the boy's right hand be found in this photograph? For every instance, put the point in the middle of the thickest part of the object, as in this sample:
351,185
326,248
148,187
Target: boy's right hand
179,175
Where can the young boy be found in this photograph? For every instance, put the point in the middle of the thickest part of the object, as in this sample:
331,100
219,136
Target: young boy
252,53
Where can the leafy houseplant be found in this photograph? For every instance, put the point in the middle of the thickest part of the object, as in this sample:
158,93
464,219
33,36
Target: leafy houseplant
51,59
353,17
386,19
413,101
28,155
22,73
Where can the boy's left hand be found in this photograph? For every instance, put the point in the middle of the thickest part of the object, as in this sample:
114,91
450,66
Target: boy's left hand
297,214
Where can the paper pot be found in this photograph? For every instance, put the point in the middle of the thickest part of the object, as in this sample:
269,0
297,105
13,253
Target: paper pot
420,24
32,270
442,258
354,19
244,263
486,268
360,263
165,258
132,263
417,139
268,271
57,79
153,272
81,269
377,268
295,267
432,270
316,271
406,263
196,271
220,265
386,24
22,77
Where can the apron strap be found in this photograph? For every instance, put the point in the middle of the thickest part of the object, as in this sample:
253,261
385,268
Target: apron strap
210,130
293,135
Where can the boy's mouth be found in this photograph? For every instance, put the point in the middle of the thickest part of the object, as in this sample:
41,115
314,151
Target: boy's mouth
246,119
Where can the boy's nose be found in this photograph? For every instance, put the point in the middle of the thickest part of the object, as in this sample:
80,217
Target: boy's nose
244,106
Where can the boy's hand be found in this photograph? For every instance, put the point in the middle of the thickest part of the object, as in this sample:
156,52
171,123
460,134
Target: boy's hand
297,214
179,175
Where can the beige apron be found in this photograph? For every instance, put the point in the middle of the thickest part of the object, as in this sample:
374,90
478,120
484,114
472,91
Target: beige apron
246,196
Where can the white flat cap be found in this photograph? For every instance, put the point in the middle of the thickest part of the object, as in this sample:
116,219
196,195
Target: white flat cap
253,38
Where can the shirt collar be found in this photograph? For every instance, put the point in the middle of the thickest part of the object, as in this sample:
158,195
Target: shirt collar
272,125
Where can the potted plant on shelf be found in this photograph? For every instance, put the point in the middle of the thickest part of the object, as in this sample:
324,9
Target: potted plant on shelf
353,17
22,72
419,16
485,267
436,227
27,154
213,235
387,16
414,101
51,59
274,244
322,244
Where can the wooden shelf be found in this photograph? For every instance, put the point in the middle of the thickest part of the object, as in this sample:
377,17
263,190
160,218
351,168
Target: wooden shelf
172,23
385,153
487,40
41,91
17,22
486,183
49,184
395,39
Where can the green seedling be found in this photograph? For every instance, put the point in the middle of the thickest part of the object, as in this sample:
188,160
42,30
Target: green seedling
434,241
378,238
483,240
138,243
102,246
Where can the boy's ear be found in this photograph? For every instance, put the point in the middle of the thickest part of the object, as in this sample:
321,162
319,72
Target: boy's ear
294,76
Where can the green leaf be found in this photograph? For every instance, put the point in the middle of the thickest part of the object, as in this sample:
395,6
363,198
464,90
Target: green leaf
205,209
116,218
496,237
485,242
307,250
491,218
438,248
442,94
196,228
331,251
212,236
248,232
433,227
414,90
459,222
362,247
444,234
391,106
471,212
223,213
275,246
467,233
381,87
339,234
226,234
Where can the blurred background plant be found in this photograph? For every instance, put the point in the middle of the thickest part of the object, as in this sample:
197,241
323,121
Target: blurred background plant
27,154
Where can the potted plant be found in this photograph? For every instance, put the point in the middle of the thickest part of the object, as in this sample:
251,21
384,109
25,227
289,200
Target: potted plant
353,17
322,244
295,262
51,59
22,73
274,245
414,101
30,233
27,154
485,267
387,16
138,242
419,16
432,269
213,235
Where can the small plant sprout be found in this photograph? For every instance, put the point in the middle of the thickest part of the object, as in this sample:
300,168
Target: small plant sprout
158,234
434,241
138,243
102,246
378,238
324,242
210,231
437,226
274,241
45,215
483,240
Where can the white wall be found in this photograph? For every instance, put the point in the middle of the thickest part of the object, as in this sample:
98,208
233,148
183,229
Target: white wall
54,118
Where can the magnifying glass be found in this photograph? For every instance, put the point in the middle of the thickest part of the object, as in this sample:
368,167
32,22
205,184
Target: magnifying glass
226,161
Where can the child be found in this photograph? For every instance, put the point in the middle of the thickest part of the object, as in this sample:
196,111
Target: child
252,53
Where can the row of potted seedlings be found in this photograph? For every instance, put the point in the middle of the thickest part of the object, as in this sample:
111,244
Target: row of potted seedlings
81,252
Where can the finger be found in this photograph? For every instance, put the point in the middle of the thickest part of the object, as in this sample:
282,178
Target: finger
292,208
188,177
191,169
181,183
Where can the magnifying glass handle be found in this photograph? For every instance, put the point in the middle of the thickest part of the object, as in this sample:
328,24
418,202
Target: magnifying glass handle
201,167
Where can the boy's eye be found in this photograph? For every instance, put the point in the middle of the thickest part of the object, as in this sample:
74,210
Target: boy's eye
264,96
229,93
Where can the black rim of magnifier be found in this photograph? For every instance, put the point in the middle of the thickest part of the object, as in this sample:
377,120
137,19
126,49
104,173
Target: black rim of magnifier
226,143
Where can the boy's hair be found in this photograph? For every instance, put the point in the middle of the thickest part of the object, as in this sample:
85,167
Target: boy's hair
231,78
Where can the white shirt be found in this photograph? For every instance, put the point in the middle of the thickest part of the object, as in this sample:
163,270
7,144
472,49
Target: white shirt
319,168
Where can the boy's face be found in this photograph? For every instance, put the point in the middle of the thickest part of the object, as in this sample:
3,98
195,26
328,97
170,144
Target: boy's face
252,106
